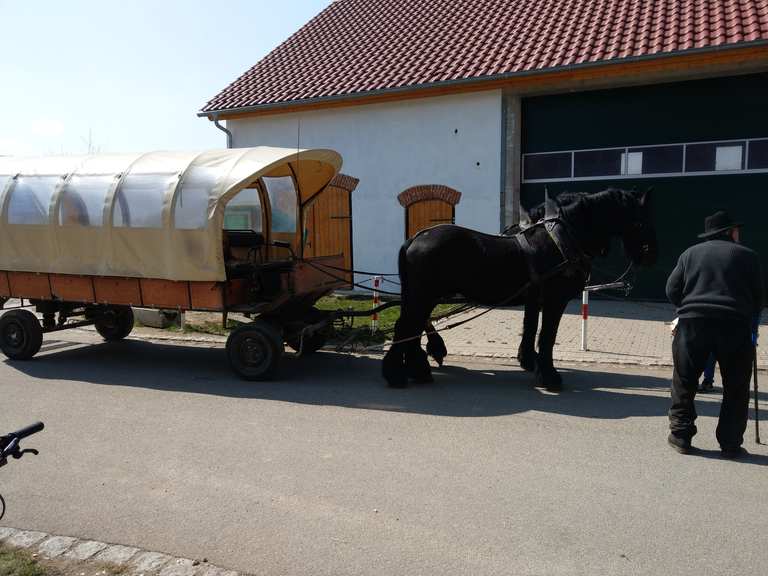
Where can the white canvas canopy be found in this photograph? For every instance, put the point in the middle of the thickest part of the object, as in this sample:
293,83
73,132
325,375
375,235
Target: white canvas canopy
155,215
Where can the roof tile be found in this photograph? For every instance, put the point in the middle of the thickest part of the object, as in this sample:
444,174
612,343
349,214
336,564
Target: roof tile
358,46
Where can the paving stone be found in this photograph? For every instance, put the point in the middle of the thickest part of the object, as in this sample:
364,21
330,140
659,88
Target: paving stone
208,570
116,554
85,550
55,546
25,538
6,532
149,562
179,567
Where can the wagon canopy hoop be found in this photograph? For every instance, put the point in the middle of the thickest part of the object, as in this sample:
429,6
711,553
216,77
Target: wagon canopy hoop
155,215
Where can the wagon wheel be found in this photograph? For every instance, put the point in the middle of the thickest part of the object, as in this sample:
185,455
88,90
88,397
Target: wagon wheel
115,323
254,350
20,334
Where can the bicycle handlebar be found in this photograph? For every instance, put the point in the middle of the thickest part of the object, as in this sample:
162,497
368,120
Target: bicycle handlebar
27,430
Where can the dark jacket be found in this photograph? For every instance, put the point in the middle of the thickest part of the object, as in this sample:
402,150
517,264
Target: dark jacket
717,278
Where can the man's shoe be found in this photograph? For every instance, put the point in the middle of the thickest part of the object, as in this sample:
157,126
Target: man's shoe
707,385
681,445
733,452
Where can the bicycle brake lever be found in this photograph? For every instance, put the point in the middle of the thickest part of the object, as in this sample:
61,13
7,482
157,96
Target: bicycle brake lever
19,453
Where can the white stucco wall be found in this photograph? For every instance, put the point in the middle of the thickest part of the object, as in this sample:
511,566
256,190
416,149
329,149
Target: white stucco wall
449,140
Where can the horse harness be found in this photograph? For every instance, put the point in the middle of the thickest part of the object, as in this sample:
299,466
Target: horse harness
574,259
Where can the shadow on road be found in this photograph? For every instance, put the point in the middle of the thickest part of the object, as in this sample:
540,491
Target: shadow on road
354,382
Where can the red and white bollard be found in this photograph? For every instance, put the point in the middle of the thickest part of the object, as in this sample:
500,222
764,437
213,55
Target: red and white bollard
584,318
376,302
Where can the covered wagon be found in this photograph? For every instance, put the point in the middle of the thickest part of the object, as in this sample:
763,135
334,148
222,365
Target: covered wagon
84,239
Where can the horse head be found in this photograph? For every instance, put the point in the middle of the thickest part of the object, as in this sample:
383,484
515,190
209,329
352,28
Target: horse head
639,233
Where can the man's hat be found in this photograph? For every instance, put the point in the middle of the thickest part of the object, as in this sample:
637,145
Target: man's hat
718,223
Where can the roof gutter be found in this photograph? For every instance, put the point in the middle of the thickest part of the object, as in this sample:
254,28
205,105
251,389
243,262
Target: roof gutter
214,114
215,119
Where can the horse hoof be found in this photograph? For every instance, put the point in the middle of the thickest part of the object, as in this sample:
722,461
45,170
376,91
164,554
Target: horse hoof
437,351
552,381
527,361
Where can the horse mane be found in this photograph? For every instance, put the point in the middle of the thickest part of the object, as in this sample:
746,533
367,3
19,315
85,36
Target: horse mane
599,216
563,199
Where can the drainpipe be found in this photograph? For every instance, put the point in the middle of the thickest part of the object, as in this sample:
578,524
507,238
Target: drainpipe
216,123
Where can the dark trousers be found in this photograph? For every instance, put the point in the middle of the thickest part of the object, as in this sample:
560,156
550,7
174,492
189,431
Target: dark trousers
730,342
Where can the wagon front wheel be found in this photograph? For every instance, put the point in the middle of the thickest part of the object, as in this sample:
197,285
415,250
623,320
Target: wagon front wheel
254,350
20,334
115,323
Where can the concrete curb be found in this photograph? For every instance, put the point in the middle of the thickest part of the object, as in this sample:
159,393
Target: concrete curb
135,561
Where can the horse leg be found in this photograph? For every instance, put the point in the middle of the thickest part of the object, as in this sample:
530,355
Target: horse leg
435,345
553,309
526,352
393,365
416,361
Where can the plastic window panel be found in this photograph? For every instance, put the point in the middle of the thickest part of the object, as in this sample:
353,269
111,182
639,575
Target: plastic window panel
283,202
30,199
139,200
243,212
191,204
82,200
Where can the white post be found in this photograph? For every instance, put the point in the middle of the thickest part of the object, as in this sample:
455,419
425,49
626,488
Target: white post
584,317
376,302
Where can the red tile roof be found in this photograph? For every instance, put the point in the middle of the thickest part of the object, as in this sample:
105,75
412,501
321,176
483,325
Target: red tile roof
358,46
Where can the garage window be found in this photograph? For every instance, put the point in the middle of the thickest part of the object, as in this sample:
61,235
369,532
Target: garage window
758,154
655,160
598,163
547,166
713,157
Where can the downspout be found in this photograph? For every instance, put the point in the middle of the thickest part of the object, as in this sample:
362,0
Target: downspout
216,123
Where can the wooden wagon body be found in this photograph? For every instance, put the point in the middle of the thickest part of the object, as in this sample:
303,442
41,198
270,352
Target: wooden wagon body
84,239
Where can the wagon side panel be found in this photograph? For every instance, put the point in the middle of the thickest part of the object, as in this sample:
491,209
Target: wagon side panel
206,296
165,294
72,288
29,285
125,291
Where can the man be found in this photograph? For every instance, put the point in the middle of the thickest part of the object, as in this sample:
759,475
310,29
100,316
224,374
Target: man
718,291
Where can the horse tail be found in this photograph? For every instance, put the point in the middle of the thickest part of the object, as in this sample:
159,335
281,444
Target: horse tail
402,268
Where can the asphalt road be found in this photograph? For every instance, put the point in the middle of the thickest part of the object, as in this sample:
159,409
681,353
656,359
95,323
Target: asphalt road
328,472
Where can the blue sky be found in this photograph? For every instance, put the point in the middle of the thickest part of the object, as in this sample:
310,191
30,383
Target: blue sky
128,75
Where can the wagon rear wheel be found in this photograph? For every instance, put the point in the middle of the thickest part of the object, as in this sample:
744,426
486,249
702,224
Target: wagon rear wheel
254,350
115,323
20,334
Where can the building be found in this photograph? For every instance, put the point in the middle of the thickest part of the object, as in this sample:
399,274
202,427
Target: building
468,109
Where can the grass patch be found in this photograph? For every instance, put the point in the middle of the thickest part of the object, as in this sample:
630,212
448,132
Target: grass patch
19,562
346,328
15,562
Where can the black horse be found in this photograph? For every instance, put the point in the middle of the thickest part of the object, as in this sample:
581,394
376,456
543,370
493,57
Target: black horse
542,265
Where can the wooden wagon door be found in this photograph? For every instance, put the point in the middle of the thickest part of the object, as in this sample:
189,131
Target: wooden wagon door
328,223
426,214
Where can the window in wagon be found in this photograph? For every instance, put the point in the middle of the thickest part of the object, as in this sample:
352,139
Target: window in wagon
283,203
30,199
82,200
191,205
243,212
139,200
